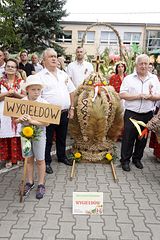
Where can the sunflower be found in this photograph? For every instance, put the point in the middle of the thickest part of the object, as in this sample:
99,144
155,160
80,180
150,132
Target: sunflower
109,157
77,155
90,82
28,132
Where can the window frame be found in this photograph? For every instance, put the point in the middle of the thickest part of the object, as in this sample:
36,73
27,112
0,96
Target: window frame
131,40
87,40
109,40
61,38
156,45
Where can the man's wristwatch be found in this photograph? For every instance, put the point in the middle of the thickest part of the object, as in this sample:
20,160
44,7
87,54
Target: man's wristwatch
72,107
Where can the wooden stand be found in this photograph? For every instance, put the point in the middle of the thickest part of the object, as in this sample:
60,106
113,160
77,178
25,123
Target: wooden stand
113,171
73,170
112,167
23,181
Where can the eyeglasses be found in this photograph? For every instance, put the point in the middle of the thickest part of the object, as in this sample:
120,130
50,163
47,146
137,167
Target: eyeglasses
8,66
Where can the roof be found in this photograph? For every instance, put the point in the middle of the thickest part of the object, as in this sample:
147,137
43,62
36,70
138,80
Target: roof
125,18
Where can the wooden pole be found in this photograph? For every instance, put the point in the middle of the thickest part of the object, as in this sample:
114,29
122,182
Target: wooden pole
73,170
23,181
113,171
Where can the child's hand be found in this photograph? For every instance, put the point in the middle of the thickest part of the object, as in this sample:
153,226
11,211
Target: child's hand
24,118
29,119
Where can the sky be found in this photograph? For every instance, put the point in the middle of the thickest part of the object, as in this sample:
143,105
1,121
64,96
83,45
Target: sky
131,11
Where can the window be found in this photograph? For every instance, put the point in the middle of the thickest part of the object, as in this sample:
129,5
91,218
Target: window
89,38
153,41
80,36
66,36
131,37
108,37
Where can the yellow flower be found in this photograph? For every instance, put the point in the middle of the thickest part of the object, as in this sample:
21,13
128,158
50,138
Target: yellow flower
77,155
28,131
104,83
109,157
90,82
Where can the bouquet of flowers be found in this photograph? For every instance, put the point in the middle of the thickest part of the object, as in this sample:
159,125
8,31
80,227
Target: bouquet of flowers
109,157
29,133
77,156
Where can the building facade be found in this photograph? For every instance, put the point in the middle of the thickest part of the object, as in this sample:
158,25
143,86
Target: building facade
99,37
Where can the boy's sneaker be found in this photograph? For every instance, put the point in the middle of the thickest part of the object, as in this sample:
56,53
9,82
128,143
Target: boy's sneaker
28,188
40,191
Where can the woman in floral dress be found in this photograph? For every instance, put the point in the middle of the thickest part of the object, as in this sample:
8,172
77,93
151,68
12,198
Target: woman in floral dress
10,144
117,78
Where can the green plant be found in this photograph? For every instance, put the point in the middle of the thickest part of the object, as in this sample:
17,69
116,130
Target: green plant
130,56
107,68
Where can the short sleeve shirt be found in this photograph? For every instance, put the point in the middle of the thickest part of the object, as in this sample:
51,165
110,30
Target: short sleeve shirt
133,85
57,87
78,72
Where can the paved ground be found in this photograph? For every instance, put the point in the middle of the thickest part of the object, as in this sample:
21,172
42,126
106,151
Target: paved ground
131,206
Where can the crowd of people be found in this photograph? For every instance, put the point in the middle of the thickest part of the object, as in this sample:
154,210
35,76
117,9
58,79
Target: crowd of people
51,81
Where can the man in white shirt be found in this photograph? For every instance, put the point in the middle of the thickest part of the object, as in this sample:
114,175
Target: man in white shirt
35,61
140,90
80,69
58,90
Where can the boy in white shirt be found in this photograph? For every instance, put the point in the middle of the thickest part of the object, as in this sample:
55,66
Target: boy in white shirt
33,88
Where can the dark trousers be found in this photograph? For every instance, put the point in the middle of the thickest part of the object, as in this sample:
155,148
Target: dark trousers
61,134
131,145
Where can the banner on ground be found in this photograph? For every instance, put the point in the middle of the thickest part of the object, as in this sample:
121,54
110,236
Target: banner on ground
89,203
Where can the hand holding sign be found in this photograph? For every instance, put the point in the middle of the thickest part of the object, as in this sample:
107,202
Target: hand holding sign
11,92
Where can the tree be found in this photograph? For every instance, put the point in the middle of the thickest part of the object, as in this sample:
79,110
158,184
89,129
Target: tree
10,12
41,23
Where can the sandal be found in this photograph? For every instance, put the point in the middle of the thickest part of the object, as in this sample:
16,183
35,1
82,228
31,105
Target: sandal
8,165
20,163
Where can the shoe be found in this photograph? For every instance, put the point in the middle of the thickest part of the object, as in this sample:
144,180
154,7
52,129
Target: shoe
40,191
157,159
138,164
66,161
49,170
20,163
28,187
126,167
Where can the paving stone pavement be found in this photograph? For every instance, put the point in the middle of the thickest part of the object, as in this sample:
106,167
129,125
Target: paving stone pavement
131,206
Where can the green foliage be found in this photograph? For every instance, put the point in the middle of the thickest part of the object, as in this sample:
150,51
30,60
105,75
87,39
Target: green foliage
107,67
30,24
114,153
34,132
40,23
10,12
130,57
